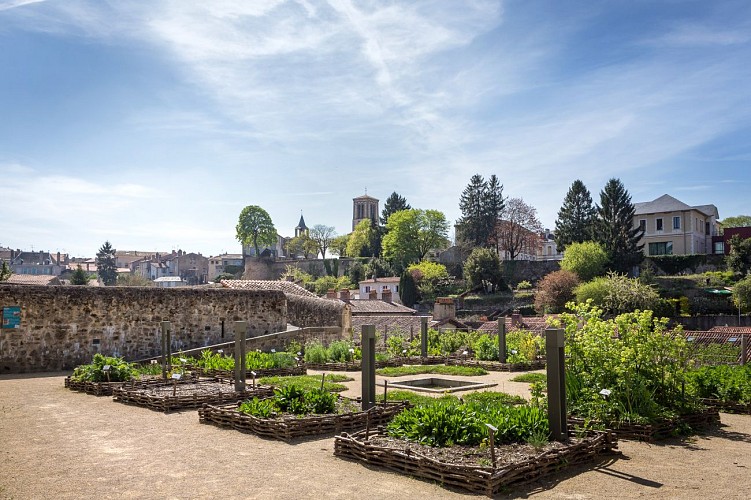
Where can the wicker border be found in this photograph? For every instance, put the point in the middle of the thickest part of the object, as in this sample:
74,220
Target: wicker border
477,479
356,366
106,388
728,406
496,366
660,430
290,427
138,395
230,375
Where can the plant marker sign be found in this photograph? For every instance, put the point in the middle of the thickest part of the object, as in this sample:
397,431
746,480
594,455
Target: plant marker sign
12,317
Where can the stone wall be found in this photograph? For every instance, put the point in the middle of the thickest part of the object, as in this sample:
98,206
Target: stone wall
269,269
312,311
62,327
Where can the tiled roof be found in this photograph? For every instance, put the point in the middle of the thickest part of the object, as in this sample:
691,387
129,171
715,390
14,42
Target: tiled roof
287,287
725,336
388,324
366,306
32,279
667,203
388,279
731,329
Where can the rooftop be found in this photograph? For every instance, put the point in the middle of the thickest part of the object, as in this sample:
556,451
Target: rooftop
667,203
285,286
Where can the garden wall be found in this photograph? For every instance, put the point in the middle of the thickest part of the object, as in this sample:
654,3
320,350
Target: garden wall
704,323
62,327
312,311
269,269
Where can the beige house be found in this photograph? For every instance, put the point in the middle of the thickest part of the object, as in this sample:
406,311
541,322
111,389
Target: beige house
673,228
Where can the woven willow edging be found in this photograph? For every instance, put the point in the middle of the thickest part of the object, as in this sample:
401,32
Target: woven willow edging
496,366
186,395
659,430
477,479
261,372
728,407
106,388
290,427
393,362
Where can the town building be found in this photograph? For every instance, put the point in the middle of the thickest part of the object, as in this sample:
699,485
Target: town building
230,263
377,286
364,207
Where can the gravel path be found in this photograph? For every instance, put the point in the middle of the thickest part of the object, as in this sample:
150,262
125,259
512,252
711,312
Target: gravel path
55,443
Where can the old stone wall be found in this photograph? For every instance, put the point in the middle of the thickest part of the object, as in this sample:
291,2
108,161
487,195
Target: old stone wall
312,311
62,327
269,269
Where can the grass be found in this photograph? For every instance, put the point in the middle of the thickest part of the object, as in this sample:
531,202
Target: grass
530,378
400,371
308,382
489,397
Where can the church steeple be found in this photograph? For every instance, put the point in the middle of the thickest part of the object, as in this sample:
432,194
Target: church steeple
301,227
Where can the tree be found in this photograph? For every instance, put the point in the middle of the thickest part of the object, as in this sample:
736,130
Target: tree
302,245
615,227
407,289
736,221
339,245
587,260
255,227
106,264
5,272
483,269
432,279
136,280
576,218
481,204
618,294
519,231
412,234
322,235
377,268
739,258
79,277
554,291
359,238
394,203
742,294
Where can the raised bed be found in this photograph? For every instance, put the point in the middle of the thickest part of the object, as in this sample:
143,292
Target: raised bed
660,430
377,449
497,366
230,375
728,407
106,388
356,365
289,427
168,396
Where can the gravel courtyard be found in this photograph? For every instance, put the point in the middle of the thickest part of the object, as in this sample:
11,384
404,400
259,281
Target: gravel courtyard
55,443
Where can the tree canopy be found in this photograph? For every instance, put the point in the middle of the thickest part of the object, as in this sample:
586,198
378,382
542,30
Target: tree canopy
736,221
302,245
412,234
483,269
255,227
576,218
322,235
742,294
587,260
394,203
79,277
359,238
739,259
339,245
481,204
106,264
519,231
615,227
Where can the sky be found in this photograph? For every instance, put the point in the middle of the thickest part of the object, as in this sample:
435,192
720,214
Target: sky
151,124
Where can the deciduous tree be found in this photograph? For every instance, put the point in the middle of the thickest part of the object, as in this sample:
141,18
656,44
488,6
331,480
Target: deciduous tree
736,221
576,218
359,238
255,227
106,264
322,235
302,245
555,290
412,234
394,203
483,269
739,259
587,260
519,231
742,294
615,227
339,245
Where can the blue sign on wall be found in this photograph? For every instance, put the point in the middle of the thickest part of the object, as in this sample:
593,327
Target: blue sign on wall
12,317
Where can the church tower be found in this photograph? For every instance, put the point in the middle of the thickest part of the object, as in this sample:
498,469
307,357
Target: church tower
301,228
364,207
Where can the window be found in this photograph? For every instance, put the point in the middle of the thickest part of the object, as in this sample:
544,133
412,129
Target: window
707,228
658,224
643,225
719,247
367,289
676,222
662,248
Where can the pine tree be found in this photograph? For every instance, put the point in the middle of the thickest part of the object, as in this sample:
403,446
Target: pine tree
106,264
394,203
615,227
79,277
576,218
481,204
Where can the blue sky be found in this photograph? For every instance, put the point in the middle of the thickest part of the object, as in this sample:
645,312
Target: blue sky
151,124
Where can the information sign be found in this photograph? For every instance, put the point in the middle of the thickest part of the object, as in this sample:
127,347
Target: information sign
12,317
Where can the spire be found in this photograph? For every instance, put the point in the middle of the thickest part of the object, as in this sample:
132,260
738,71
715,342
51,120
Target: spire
301,224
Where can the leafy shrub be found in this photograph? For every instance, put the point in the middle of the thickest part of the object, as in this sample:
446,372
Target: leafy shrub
524,285
617,294
523,346
261,408
730,384
315,352
119,371
338,351
486,348
587,260
742,293
254,360
291,399
555,290
493,398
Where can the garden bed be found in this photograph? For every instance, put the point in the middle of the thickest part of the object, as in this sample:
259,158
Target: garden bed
193,394
451,466
106,388
497,366
728,406
660,430
289,427
356,365
261,372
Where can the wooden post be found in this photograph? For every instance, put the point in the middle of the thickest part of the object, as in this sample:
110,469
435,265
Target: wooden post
744,348
241,332
166,348
424,336
502,339
554,350
368,367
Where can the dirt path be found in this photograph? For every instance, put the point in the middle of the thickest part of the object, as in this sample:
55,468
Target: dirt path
55,443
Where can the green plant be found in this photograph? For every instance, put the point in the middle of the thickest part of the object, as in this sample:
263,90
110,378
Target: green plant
315,352
399,371
496,398
530,378
730,384
307,382
119,370
524,285
261,408
486,348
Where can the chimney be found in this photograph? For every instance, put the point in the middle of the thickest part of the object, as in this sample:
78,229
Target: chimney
330,293
344,295
444,308
58,258
386,295
516,318
373,295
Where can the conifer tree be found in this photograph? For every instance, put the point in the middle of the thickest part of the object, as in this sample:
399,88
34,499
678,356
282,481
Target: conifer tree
576,218
79,277
615,227
407,289
394,203
106,264
481,204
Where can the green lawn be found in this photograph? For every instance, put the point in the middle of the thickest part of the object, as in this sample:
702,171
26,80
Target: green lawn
308,382
530,378
400,371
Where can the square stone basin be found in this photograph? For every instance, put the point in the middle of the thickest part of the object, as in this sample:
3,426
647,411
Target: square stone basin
438,385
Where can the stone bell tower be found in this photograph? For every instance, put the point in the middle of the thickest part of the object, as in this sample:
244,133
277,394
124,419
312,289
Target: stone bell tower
364,207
